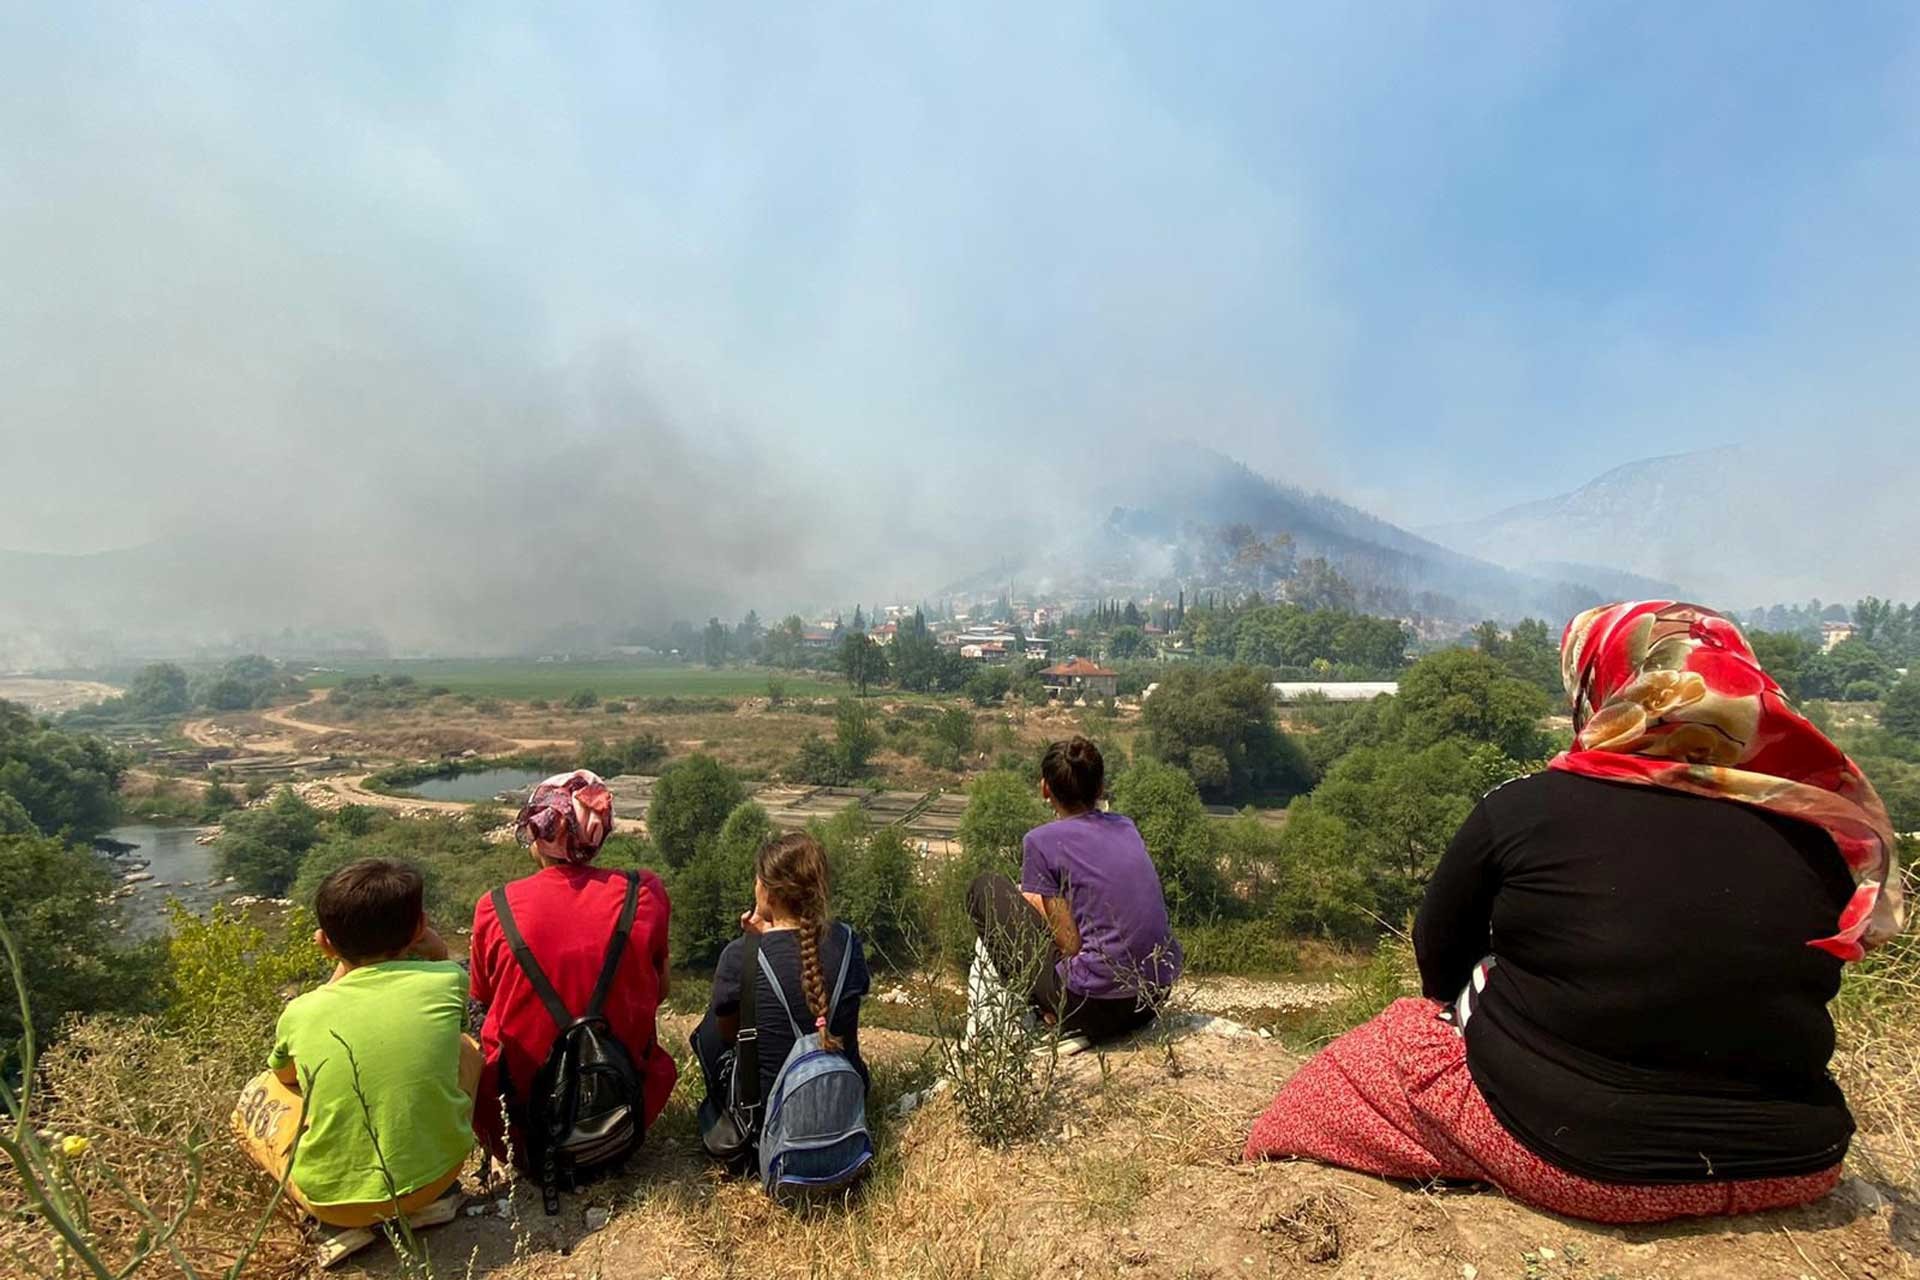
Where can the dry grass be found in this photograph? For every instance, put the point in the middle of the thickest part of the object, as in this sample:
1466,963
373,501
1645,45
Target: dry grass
1877,1061
141,1098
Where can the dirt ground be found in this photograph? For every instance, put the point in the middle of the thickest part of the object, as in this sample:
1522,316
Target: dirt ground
756,740
51,697
1140,1179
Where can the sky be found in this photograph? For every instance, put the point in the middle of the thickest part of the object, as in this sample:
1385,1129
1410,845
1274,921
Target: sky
787,295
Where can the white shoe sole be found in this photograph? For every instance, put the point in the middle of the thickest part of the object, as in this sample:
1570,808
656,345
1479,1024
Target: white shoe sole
340,1246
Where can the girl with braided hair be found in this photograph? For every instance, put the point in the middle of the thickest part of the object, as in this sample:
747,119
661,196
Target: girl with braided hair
793,925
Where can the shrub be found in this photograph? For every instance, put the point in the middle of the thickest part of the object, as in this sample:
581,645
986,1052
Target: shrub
874,885
153,1175
1002,1060
583,700
819,764
262,848
1165,805
711,890
228,979
691,802
1239,947
638,754
452,856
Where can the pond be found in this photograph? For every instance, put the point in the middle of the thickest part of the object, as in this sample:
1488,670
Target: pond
177,867
482,785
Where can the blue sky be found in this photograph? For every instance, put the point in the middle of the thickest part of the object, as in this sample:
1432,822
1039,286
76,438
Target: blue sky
1431,257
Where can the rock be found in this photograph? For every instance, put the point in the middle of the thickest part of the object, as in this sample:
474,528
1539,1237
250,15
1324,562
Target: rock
476,1210
1854,1189
137,876
1206,1024
597,1217
502,1206
1468,1271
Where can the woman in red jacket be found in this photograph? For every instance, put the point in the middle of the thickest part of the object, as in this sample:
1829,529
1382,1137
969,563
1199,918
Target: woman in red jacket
567,911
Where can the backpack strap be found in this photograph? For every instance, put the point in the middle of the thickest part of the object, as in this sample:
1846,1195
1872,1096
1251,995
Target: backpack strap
773,979
556,1007
846,963
746,1046
621,930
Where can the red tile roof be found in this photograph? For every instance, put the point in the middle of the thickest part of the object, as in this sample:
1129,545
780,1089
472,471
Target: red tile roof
1078,667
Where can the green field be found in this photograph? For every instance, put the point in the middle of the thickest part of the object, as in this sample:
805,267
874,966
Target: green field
522,678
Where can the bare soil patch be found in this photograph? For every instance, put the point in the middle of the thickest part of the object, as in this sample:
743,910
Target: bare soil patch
1141,1178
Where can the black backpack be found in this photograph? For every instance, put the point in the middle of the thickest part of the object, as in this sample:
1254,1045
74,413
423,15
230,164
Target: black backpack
586,1112
730,1123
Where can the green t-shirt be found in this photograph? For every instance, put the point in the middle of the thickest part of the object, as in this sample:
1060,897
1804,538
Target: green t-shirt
403,1020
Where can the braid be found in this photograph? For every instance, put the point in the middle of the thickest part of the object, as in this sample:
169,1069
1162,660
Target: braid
815,981
793,871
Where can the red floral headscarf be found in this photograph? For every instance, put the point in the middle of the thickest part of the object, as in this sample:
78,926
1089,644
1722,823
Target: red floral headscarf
573,809
1670,695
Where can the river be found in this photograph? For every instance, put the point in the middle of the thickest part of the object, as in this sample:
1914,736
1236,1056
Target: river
179,867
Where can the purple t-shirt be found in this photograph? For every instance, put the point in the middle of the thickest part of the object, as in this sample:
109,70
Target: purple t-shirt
1099,864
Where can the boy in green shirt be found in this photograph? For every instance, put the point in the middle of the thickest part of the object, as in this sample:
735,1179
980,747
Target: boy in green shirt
381,1045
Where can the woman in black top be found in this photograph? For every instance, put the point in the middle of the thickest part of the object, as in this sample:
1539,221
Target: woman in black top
806,950
1627,959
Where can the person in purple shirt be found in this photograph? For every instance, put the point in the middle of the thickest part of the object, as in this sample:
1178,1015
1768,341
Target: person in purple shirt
1086,933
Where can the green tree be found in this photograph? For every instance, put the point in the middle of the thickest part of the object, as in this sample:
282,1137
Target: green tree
714,643
1126,642
1900,714
1403,806
1851,663
1164,803
1002,806
862,661
782,647
262,849
1784,656
159,690
1322,887
856,737
1219,727
954,729
874,886
64,782
691,802
1458,693
1530,652
53,897
712,889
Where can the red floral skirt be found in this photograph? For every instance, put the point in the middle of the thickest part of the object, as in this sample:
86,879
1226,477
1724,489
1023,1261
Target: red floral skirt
1393,1097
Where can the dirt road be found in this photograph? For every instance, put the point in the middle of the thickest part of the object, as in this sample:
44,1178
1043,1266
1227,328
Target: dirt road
288,718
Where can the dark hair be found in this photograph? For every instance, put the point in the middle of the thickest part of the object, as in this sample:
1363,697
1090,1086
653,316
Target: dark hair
793,870
370,908
1074,773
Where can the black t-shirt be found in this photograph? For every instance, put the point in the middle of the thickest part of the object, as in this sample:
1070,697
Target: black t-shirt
782,950
1656,1014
